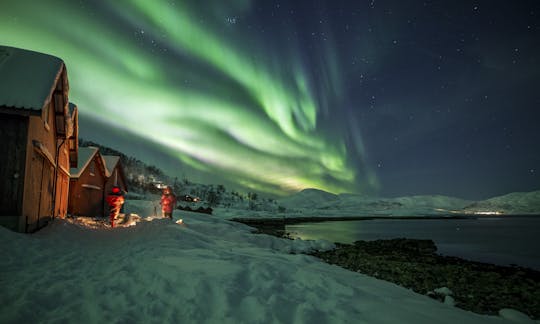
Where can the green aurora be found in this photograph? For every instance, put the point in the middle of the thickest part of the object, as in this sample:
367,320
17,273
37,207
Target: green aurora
190,79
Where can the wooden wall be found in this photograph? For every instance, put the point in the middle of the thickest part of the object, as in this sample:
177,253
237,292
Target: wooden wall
39,181
86,196
62,194
62,182
13,131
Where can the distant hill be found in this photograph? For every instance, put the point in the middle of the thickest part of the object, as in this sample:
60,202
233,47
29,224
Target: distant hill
318,202
513,203
308,198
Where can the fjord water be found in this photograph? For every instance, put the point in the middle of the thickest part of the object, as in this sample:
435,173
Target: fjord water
501,240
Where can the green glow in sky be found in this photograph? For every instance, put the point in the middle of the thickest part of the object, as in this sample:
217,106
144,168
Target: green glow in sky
195,86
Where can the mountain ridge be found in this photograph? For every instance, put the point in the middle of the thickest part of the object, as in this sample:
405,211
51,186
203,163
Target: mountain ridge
511,203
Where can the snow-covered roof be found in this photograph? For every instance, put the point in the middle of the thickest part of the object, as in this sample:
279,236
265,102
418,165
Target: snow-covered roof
86,154
110,163
27,77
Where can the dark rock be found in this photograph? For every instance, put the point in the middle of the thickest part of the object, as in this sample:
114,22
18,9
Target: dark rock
479,287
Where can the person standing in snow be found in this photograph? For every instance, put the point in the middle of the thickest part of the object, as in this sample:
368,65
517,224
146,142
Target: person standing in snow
115,200
168,202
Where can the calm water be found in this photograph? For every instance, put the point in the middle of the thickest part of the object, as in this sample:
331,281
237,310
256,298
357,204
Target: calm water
501,240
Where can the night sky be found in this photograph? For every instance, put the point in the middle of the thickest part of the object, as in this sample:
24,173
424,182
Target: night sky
377,97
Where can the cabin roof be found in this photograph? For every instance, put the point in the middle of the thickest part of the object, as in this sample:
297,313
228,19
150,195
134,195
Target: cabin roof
29,77
110,163
86,154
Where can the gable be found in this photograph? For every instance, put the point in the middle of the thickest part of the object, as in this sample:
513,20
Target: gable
88,156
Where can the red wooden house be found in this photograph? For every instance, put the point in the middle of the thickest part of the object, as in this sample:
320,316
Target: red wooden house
92,181
87,184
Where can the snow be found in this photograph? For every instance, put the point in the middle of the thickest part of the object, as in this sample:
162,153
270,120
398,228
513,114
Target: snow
515,316
449,300
317,203
443,291
110,163
29,77
209,271
320,204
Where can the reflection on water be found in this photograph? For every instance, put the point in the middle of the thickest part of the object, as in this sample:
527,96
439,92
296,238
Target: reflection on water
501,240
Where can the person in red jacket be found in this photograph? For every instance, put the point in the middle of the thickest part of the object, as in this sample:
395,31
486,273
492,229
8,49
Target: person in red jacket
168,202
115,200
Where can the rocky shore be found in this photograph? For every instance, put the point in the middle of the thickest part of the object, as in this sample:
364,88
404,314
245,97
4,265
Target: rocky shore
479,287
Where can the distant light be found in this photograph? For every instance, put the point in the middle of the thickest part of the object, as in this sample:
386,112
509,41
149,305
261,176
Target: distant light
488,213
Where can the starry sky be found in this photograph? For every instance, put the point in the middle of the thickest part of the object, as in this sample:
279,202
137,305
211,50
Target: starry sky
377,97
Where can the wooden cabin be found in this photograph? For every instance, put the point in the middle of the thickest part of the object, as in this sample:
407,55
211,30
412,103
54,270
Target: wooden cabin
87,184
115,175
34,126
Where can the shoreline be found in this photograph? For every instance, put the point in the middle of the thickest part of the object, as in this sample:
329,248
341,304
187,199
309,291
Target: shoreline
276,225
414,264
482,288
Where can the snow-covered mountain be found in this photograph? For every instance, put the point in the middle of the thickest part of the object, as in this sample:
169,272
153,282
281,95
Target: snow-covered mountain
320,203
308,198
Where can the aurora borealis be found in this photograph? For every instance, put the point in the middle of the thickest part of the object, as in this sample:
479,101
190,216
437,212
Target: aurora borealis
277,96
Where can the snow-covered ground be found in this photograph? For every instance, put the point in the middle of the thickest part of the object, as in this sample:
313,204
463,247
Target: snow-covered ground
208,271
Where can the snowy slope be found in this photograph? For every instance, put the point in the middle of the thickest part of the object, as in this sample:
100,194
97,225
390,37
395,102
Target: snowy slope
308,198
320,203
514,203
210,271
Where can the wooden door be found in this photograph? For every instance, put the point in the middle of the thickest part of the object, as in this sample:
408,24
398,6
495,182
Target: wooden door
13,132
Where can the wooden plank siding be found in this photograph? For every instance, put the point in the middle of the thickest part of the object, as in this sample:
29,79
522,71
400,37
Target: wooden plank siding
87,195
40,162
62,194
